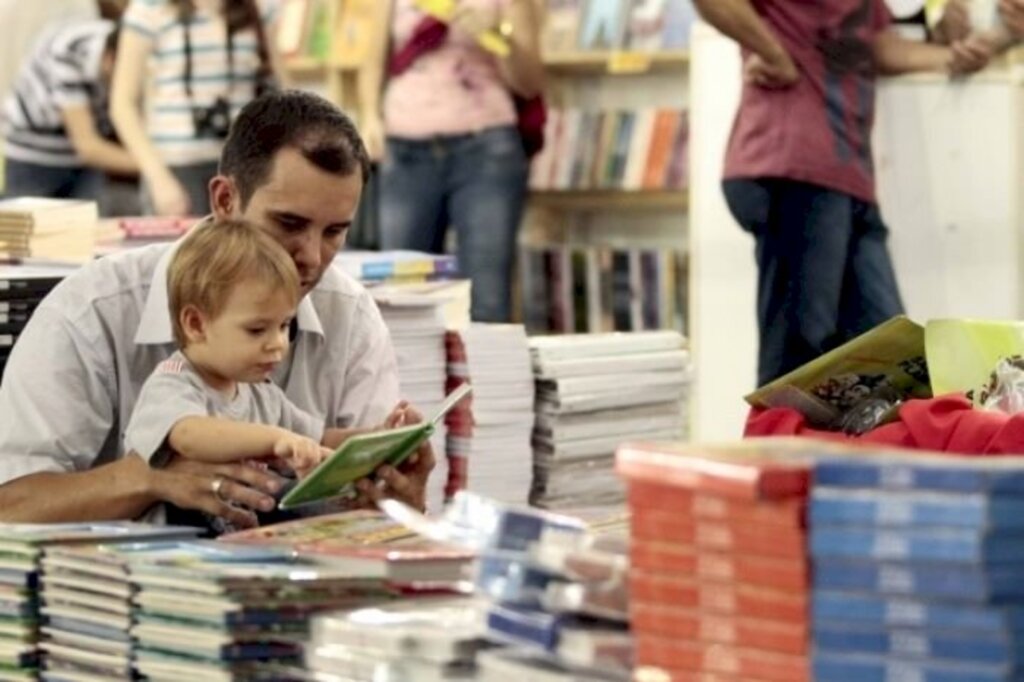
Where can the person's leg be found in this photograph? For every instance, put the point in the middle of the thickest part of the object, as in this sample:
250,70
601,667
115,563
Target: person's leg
871,294
412,199
803,233
487,195
84,183
23,179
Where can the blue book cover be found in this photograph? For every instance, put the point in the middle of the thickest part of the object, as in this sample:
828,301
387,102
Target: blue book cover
912,544
680,17
840,506
845,668
945,473
1002,649
962,582
535,628
874,610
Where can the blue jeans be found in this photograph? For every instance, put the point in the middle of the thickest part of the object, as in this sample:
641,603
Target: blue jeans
23,179
475,182
824,271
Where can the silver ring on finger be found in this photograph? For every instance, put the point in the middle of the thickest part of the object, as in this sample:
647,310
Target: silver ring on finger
215,485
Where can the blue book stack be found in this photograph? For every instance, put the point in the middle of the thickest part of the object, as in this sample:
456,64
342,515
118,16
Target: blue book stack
918,569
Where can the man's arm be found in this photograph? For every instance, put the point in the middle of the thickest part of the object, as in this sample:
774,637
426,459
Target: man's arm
895,55
92,148
125,489
738,20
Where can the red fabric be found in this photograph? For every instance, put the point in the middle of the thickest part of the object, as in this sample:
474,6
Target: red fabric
946,424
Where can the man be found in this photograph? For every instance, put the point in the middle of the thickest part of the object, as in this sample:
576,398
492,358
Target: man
799,172
293,164
59,141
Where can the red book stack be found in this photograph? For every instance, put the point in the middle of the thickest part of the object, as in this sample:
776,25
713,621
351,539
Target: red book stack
719,567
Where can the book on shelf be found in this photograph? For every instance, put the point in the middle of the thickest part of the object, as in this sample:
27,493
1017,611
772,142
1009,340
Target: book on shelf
304,29
617,25
624,150
602,289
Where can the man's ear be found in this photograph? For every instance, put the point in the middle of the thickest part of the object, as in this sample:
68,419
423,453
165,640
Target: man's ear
193,324
224,201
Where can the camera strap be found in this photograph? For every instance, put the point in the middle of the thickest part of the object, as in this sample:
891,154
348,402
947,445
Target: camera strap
186,21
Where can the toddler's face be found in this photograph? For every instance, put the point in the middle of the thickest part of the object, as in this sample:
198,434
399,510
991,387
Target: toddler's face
250,336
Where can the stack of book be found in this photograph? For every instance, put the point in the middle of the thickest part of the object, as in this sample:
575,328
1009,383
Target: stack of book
22,288
417,639
417,315
595,392
24,605
719,569
919,568
557,594
373,267
62,230
489,434
225,611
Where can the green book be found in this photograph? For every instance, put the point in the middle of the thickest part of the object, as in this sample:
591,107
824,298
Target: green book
359,456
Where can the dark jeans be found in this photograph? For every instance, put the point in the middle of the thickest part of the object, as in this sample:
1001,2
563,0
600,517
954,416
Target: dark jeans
824,272
477,183
23,179
195,179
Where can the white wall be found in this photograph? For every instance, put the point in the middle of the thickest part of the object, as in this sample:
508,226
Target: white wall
722,268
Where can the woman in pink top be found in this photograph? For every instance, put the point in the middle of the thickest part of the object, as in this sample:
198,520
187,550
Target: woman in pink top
445,128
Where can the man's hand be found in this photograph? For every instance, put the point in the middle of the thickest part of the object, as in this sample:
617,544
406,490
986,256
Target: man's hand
408,483
970,56
955,24
1012,12
775,73
225,490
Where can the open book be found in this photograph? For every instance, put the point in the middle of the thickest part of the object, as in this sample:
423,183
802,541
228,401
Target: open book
361,455
888,360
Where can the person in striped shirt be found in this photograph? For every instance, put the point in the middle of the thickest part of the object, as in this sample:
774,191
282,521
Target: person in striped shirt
59,142
194,64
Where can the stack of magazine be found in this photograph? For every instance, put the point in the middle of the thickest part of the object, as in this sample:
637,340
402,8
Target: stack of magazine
223,611
61,230
552,591
22,289
416,639
919,568
720,573
24,601
594,392
489,435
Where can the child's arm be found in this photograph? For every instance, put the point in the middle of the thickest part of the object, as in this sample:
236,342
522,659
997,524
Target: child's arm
399,416
213,439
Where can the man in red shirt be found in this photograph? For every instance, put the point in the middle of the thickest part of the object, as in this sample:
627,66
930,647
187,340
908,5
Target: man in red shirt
798,170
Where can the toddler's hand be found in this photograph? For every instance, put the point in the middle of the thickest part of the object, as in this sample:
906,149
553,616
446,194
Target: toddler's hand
302,453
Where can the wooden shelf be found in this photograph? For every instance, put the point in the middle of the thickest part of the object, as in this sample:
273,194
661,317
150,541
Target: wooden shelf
611,200
305,66
618,63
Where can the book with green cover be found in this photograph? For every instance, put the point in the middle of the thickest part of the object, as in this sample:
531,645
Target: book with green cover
888,360
361,455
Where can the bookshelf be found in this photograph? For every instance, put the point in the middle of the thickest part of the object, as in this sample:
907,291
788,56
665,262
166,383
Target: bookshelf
596,198
621,63
611,200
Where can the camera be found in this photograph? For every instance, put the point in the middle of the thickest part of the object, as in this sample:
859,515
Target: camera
213,121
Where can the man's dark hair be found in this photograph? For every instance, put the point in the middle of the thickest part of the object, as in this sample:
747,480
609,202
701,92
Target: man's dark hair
320,131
